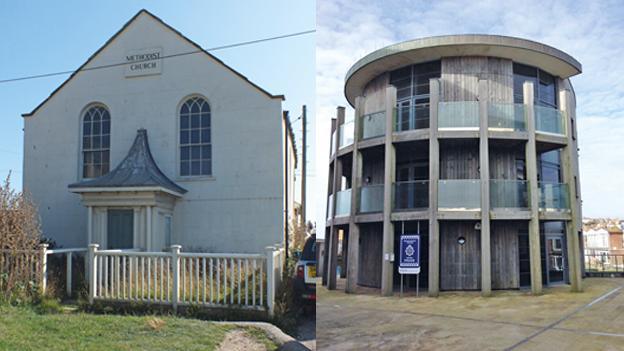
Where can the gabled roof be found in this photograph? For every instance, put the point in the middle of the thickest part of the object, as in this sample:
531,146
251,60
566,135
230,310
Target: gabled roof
137,170
126,25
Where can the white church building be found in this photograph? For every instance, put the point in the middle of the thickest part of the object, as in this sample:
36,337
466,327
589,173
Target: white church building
153,141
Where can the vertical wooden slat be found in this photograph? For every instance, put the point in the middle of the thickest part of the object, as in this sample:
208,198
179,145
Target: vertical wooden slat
123,278
261,285
211,286
183,261
253,285
231,281
218,280
197,279
204,277
117,272
240,280
246,282
162,278
142,278
168,279
105,276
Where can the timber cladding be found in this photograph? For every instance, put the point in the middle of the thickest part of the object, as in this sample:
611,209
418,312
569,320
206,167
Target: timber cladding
460,264
504,249
460,78
370,255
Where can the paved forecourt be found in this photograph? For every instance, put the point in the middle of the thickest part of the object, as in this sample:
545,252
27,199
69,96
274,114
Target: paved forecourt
509,320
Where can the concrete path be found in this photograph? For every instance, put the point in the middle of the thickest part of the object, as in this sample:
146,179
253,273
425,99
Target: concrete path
556,320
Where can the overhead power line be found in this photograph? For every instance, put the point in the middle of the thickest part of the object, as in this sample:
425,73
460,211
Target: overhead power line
228,46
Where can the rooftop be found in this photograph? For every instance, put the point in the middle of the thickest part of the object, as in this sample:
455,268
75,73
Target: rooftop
551,60
137,170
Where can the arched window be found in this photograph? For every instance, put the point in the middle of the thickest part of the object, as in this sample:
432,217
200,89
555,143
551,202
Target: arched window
195,143
95,142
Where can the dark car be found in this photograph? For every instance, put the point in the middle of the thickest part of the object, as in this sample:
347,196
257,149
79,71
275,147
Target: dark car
305,271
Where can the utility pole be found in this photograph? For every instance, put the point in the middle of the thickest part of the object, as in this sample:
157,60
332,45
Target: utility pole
303,166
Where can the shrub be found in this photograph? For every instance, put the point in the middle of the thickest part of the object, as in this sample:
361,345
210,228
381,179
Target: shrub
19,241
47,305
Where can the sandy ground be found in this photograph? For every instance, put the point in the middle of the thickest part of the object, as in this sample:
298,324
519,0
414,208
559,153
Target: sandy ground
238,340
510,320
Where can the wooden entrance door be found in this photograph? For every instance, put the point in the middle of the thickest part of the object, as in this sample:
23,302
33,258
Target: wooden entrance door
120,230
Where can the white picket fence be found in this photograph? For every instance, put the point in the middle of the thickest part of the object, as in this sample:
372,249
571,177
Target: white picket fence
174,278
180,278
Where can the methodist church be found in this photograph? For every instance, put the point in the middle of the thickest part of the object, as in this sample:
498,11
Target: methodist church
154,141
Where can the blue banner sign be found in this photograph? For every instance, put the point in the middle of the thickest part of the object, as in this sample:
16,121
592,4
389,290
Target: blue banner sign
409,262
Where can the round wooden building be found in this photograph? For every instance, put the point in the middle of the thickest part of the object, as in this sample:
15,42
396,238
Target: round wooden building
470,142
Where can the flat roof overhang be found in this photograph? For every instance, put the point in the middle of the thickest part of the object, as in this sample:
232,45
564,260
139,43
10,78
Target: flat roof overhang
547,58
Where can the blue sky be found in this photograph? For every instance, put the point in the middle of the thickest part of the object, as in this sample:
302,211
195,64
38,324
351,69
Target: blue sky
590,31
42,37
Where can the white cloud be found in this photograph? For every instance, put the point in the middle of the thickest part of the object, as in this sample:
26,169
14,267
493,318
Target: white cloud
590,31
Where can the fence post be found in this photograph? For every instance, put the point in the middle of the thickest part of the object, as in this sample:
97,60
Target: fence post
68,273
92,267
44,267
270,272
175,262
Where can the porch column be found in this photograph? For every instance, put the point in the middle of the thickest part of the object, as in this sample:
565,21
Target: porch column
89,225
148,229
531,168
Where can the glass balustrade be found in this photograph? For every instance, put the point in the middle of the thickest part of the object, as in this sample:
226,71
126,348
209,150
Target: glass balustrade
509,193
346,134
343,203
371,198
459,194
458,115
549,120
554,196
411,195
373,125
506,117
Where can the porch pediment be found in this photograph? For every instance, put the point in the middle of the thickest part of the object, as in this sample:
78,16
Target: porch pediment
137,173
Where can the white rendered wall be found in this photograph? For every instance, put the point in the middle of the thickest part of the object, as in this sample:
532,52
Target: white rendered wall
239,209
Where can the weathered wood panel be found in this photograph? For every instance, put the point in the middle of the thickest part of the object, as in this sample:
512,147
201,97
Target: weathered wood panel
373,167
375,93
504,252
370,255
459,160
503,161
460,265
460,78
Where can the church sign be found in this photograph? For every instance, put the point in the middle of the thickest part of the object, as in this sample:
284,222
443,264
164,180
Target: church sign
143,62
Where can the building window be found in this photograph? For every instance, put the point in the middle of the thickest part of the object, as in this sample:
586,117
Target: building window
195,142
544,85
95,142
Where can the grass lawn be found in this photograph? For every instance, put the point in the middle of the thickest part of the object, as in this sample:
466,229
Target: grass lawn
21,328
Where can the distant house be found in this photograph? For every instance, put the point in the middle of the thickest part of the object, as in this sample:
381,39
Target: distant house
596,242
616,240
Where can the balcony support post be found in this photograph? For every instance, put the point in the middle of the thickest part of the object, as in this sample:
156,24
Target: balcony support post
332,250
387,268
484,166
353,250
531,166
570,175
434,174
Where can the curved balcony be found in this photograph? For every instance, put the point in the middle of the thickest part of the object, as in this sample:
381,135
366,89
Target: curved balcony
371,198
509,194
411,195
554,196
459,194
373,125
506,117
343,203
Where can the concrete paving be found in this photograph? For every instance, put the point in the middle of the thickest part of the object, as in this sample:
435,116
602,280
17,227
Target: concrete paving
509,320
